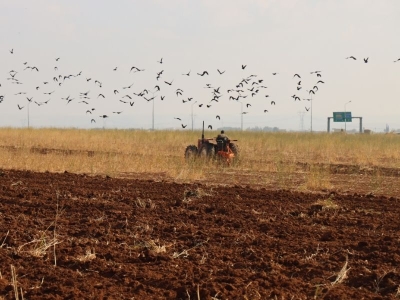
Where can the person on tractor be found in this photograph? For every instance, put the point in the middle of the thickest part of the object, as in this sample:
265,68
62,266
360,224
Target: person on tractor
222,140
222,135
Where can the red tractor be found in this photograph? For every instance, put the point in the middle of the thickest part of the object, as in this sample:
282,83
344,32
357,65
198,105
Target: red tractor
211,148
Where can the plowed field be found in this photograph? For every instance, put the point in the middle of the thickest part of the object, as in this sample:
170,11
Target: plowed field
68,236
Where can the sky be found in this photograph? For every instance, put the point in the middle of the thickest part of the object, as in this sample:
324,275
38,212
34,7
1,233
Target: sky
82,49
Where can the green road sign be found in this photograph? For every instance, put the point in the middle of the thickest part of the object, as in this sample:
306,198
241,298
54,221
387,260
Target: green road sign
342,116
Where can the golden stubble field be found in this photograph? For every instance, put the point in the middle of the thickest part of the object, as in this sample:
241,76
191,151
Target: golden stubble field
298,161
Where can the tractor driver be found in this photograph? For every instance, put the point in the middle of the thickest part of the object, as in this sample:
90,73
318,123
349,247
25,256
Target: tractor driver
222,136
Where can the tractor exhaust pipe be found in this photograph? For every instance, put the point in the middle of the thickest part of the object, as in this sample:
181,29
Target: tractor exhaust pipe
202,134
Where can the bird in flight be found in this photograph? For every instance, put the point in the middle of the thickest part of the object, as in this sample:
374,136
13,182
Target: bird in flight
12,51
397,60
296,75
209,127
104,116
220,72
307,109
160,61
178,119
128,87
100,95
272,102
187,74
183,126
366,60
131,103
117,112
20,107
265,110
202,74
93,121
218,117
169,83
352,57
244,67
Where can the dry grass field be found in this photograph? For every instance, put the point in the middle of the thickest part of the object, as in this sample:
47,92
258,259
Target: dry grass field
119,214
300,161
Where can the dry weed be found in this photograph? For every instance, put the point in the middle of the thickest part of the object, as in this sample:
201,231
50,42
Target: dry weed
88,256
39,246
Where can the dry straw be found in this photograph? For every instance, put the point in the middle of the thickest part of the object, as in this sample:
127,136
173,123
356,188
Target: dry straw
299,158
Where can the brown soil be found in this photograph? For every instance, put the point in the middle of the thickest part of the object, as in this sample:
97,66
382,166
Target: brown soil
147,239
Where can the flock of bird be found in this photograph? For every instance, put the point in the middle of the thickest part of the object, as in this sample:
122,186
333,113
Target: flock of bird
244,91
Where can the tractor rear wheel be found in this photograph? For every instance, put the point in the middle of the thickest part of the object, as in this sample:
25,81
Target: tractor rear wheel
207,151
191,152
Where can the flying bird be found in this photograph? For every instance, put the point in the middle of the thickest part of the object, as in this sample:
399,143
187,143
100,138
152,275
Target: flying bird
104,116
220,72
187,74
209,127
100,95
218,117
244,67
160,61
93,121
128,87
307,109
183,126
272,102
397,60
352,57
117,112
20,107
366,60
169,83
178,119
296,75
202,74
265,110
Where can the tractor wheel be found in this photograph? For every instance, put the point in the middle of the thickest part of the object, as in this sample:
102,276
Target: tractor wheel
190,152
236,151
207,151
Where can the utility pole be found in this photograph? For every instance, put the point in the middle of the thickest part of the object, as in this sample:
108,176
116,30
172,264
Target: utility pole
192,113
28,112
241,115
152,114
311,113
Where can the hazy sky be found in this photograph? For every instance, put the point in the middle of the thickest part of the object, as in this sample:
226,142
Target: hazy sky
287,37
